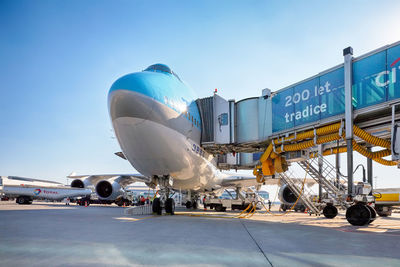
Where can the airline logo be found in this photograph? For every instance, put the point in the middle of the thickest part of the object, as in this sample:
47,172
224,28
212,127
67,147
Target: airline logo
379,80
37,191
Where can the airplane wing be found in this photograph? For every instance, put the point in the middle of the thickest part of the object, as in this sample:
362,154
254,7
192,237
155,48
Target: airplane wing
24,179
122,179
239,181
247,181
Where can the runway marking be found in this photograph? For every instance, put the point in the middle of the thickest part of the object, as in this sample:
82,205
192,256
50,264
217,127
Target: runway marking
204,215
254,240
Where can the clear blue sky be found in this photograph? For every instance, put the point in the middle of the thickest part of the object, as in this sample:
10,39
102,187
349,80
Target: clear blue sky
59,58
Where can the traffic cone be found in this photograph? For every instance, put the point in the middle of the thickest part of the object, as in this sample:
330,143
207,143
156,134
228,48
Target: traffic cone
85,203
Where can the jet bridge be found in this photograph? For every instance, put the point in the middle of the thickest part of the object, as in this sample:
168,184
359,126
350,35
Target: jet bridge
352,106
243,128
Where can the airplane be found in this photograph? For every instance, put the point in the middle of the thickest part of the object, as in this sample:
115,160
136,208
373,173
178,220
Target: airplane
158,126
27,189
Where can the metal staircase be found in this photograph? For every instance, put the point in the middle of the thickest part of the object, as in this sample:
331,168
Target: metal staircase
299,190
335,189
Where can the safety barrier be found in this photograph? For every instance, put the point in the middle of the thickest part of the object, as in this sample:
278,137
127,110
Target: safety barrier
139,210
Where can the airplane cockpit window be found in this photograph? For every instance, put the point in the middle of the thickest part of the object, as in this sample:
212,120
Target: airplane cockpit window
161,68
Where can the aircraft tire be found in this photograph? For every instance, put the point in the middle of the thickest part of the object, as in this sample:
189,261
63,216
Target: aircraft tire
157,206
330,211
358,215
170,206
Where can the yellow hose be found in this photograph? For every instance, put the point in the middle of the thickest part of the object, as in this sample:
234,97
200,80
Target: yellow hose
370,138
310,134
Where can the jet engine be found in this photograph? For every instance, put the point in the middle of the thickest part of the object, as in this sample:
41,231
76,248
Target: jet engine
286,196
107,191
77,183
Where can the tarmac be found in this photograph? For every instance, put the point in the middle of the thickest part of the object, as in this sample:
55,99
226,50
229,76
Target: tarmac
53,234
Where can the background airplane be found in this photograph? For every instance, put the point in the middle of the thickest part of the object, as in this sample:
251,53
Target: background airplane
25,190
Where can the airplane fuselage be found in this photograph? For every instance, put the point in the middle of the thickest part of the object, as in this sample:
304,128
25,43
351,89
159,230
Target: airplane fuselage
158,126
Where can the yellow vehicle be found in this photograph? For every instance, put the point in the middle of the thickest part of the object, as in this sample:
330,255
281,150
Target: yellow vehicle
385,200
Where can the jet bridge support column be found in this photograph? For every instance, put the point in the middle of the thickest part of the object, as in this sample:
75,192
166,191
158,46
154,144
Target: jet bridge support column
369,171
348,80
320,166
338,167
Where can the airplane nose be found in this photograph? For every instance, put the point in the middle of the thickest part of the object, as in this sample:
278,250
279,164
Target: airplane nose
131,96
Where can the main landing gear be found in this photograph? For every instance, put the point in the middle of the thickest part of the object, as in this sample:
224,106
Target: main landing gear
191,204
164,201
169,205
360,214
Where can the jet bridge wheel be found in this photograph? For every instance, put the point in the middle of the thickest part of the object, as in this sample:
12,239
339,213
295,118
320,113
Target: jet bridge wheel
170,206
157,206
330,211
373,213
358,214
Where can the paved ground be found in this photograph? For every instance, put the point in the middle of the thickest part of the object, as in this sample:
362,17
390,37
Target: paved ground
55,235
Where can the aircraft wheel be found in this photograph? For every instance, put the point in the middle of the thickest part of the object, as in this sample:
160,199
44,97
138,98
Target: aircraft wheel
188,204
170,206
157,206
373,213
358,215
330,211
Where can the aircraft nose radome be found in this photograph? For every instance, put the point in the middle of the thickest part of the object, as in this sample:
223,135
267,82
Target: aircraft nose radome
130,96
124,103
